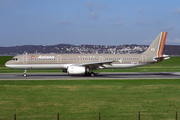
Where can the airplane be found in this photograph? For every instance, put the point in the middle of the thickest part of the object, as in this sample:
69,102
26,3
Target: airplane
85,63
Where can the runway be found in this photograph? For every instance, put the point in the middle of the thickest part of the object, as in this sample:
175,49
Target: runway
106,76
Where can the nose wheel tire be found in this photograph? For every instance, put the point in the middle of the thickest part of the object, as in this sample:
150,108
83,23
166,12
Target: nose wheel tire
24,75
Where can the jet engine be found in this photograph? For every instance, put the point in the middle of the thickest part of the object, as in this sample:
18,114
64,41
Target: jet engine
77,70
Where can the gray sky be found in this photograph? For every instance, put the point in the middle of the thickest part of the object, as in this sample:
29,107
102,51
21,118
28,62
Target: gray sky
102,22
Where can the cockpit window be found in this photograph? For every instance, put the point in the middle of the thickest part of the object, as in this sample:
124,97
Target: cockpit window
14,59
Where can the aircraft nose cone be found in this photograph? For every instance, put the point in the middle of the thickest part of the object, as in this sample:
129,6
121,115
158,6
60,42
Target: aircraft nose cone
7,64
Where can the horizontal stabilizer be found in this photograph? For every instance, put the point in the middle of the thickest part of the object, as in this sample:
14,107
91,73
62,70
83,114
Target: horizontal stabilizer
164,57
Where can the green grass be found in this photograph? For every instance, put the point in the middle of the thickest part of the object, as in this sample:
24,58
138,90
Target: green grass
4,59
77,100
170,65
84,99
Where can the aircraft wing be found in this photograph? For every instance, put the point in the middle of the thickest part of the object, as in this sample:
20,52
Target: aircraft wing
97,64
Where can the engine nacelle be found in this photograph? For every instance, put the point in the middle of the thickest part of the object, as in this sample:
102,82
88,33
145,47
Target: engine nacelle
76,70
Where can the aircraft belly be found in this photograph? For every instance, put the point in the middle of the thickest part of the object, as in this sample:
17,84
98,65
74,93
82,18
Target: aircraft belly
37,66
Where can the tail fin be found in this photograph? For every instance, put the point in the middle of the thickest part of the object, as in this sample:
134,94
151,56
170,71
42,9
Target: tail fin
157,46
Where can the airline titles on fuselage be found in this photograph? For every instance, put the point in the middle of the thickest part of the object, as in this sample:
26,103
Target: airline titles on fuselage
45,57
41,57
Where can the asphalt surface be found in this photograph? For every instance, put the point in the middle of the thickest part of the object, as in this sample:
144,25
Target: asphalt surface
107,76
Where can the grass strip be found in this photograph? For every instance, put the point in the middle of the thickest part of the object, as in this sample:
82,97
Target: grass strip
85,99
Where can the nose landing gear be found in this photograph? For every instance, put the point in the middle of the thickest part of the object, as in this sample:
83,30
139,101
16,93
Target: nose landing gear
25,73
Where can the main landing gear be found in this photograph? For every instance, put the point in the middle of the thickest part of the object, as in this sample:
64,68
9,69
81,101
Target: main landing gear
92,74
25,73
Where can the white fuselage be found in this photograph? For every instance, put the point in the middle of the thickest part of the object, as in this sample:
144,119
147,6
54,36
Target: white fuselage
62,61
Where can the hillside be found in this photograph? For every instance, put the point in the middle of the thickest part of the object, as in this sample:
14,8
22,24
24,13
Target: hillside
80,49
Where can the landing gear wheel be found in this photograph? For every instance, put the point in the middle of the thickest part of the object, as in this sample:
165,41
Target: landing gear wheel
24,74
92,74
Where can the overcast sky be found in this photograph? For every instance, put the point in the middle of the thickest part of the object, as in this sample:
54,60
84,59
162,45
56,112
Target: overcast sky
102,22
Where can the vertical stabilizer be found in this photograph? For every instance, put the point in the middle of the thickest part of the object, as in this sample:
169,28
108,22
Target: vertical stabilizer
157,46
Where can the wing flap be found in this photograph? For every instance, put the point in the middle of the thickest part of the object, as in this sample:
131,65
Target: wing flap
97,63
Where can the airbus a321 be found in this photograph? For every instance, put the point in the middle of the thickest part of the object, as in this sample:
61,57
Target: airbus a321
86,63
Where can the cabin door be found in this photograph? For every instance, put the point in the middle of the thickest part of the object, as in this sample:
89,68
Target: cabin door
59,59
144,58
24,59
